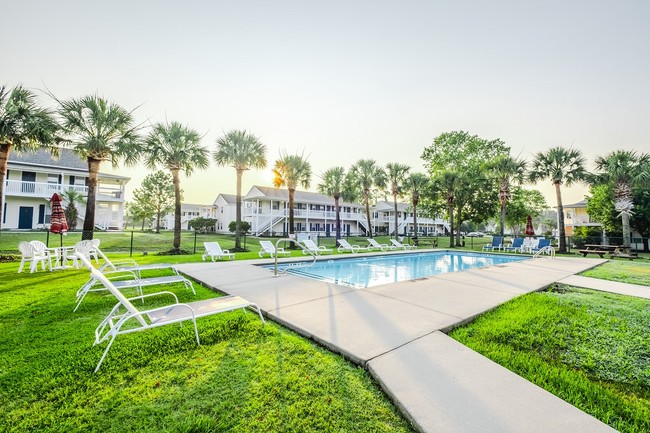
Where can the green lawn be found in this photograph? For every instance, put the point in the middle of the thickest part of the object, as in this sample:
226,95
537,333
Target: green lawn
589,348
634,272
245,377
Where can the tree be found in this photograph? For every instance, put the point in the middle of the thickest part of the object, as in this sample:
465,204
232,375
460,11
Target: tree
242,151
177,148
624,169
244,226
203,225
460,151
368,175
136,212
291,171
157,195
524,202
414,185
508,171
71,198
334,184
98,130
563,167
641,218
24,126
600,207
448,183
475,199
395,175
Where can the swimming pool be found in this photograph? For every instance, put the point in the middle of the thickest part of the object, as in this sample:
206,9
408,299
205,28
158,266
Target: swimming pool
370,271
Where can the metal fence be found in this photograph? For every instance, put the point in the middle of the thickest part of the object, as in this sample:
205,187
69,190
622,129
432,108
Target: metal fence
131,242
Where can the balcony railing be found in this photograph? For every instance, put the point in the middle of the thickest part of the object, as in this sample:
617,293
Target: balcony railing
45,190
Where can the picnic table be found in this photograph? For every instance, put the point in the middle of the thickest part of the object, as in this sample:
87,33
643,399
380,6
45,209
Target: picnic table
612,250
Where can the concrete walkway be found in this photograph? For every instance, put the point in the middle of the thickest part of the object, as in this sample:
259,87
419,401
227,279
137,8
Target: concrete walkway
395,331
607,286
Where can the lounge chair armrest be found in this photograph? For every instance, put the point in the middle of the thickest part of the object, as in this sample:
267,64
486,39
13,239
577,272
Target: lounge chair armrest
149,295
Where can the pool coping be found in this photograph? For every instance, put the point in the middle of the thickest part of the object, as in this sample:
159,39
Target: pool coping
378,327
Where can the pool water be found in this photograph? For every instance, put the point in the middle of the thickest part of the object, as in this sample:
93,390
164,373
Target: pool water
370,271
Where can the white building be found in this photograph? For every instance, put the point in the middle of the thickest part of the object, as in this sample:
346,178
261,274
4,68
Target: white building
189,211
265,208
32,178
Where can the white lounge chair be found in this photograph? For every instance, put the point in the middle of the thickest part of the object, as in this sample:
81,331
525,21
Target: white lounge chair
91,249
123,279
269,248
31,254
374,245
214,251
345,246
125,314
311,247
398,244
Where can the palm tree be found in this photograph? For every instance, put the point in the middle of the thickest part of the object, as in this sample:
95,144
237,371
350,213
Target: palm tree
334,184
563,167
98,130
23,127
177,148
72,197
396,174
291,171
624,169
448,183
368,175
507,171
241,150
414,185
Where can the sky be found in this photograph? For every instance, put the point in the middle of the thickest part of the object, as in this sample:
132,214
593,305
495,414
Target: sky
339,81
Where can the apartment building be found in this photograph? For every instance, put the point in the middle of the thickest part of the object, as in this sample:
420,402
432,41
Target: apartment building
189,211
266,209
32,178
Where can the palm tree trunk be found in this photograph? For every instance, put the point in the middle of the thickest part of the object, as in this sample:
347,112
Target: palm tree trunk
560,215
395,206
459,223
291,229
238,212
91,200
503,218
177,209
337,209
450,210
367,200
415,218
5,148
625,222
158,215
503,198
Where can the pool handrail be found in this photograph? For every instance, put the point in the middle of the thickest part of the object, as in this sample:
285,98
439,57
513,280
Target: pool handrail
304,247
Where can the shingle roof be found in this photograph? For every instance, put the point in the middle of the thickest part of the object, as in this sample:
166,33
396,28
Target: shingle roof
229,198
67,159
299,196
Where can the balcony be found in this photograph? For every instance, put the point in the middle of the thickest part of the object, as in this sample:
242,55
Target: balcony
45,190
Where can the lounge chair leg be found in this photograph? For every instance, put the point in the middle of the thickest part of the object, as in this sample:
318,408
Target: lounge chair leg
110,343
196,332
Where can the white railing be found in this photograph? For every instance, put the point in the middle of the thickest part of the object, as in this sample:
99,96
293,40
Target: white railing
39,189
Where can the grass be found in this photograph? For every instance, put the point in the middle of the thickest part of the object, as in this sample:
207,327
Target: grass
633,272
245,377
588,348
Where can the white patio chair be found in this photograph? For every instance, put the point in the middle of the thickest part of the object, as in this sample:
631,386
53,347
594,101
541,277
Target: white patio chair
121,279
267,247
33,256
213,250
374,245
94,252
125,318
311,247
344,245
398,244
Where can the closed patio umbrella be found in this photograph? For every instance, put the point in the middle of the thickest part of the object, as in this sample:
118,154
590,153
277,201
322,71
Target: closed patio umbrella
58,223
529,226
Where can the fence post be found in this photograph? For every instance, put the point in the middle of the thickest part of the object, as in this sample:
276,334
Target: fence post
195,232
131,249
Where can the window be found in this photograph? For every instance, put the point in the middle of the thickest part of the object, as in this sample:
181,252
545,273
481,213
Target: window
275,205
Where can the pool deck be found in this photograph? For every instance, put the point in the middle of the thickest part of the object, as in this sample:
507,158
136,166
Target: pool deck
396,331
